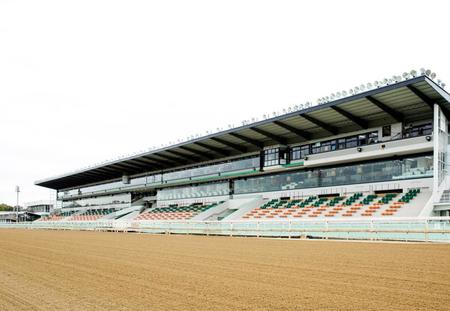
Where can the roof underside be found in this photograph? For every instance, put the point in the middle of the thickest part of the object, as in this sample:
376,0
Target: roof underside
405,101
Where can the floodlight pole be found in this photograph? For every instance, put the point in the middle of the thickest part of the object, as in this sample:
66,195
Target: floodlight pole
17,205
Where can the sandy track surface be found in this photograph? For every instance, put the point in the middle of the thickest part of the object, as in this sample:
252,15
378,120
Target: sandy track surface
63,270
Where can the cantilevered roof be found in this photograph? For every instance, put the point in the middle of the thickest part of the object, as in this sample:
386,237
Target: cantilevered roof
405,101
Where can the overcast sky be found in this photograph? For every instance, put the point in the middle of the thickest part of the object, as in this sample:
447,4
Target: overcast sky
86,81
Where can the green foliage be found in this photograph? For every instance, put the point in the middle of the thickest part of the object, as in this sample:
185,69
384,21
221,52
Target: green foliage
5,207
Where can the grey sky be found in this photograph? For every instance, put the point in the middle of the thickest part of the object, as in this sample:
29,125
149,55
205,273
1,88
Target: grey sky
86,81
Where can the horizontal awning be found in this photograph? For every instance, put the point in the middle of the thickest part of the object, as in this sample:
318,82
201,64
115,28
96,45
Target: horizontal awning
405,101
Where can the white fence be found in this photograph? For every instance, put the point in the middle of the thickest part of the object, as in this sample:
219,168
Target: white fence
435,229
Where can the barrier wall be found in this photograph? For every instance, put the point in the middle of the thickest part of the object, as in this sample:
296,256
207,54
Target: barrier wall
435,229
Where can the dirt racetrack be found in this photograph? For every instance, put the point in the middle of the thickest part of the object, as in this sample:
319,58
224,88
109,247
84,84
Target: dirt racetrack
69,270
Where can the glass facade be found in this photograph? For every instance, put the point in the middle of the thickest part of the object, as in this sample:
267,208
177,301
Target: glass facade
387,170
209,170
335,144
271,157
418,130
206,190
98,201
249,163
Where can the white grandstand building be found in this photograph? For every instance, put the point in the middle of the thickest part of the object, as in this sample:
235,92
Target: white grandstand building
378,151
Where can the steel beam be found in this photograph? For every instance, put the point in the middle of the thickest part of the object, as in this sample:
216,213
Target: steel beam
304,134
197,152
274,137
249,140
185,156
397,116
230,144
212,148
357,120
430,102
329,128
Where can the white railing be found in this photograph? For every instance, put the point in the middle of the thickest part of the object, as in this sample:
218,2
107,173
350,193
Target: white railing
403,229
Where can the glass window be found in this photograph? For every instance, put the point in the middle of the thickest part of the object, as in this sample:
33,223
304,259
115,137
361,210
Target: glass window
386,131
362,139
206,190
271,157
316,148
295,153
305,151
328,146
418,130
413,167
351,142
373,138
118,199
336,144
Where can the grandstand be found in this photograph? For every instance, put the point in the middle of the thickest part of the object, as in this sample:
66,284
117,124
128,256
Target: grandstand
376,152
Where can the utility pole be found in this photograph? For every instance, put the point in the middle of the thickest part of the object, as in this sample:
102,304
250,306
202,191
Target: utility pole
17,205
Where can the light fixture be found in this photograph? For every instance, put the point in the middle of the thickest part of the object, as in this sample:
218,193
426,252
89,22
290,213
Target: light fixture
428,72
428,138
433,75
359,149
422,71
413,73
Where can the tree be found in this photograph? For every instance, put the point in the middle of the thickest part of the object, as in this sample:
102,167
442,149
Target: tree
5,207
